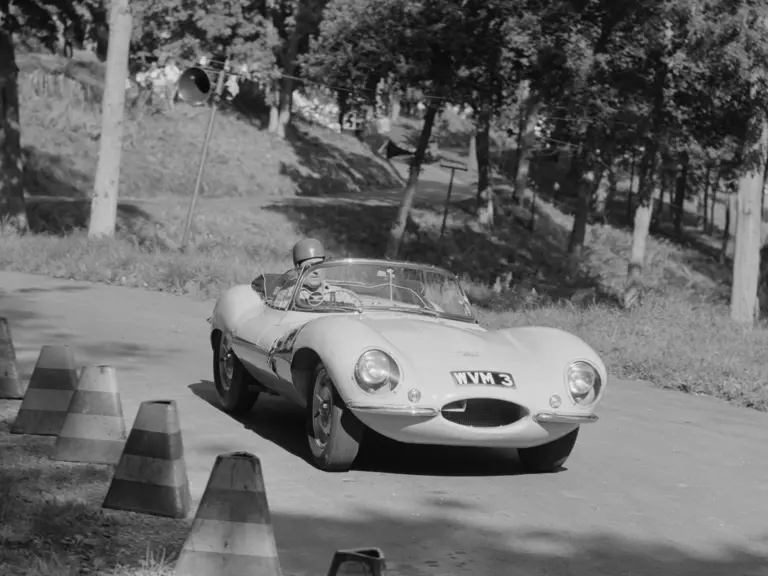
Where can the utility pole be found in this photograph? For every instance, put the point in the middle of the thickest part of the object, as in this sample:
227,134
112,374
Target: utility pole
104,201
201,97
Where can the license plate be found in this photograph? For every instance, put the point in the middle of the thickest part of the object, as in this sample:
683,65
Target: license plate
484,379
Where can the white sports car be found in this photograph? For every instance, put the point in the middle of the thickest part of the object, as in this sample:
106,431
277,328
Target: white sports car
395,347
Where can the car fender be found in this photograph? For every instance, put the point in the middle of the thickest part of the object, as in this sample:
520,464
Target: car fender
338,341
551,345
233,306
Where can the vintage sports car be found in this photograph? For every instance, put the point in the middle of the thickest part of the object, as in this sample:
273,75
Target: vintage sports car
395,347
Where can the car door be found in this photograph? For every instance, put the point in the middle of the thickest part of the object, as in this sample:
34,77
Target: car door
260,335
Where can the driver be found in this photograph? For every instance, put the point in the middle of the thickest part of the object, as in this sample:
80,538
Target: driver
308,252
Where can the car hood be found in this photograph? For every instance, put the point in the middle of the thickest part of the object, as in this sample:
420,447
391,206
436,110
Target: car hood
428,344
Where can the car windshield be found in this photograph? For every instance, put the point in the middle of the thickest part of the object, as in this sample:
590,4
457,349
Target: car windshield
373,285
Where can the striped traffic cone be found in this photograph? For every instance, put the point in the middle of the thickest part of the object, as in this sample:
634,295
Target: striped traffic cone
151,476
232,532
11,387
358,562
94,429
50,390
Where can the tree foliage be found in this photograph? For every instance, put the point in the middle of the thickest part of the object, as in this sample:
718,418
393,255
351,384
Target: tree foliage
680,85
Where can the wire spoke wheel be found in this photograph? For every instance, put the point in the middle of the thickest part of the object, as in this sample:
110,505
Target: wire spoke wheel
322,409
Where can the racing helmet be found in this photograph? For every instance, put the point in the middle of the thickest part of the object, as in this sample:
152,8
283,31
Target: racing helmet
307,248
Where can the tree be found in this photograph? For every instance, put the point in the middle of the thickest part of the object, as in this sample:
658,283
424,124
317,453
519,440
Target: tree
746,261
188,29
107,181
295,20
12,208
34,23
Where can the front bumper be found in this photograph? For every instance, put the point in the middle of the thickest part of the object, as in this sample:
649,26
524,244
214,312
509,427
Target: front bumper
425,425
393,410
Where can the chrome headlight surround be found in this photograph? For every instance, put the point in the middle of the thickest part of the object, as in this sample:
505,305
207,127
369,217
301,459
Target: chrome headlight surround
376,372
583,382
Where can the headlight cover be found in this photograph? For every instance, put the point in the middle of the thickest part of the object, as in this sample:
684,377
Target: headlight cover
376,371
583,382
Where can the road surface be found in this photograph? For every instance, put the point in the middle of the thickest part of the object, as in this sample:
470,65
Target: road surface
665,484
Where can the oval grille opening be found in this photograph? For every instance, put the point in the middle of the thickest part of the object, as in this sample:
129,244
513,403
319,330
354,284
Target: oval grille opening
483,412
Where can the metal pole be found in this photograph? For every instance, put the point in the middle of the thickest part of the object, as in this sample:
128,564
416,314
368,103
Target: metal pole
447,202
204,154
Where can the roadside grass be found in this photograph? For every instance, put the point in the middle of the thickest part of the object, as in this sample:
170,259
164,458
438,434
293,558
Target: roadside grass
263,194
52,524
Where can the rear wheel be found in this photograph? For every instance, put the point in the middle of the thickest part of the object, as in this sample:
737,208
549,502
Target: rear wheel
548,457
234,384
334,433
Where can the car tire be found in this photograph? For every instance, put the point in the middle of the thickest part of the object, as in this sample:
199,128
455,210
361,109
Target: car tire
234,384
333,431
548,457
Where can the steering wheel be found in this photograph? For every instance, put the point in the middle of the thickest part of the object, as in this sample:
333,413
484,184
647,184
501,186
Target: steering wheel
314,299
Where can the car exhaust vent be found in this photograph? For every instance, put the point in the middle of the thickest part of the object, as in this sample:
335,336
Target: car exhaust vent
483,412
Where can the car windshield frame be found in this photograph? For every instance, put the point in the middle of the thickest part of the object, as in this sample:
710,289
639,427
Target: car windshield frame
423,310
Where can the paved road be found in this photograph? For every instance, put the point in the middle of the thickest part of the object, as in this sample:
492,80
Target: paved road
665,484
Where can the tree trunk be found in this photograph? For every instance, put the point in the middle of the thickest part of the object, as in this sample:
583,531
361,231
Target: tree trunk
713,200
707,186
681,185
585,187
394,105
301,28
12,209
483,151
730,202
104,202
746,259
397,231
630,191
274,107
642,223
601,193
342,102
472,156
604,194
526,141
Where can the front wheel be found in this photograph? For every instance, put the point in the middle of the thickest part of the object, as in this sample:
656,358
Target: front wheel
334,433
548,457
234,384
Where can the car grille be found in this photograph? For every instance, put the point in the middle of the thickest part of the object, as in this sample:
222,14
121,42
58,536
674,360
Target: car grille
483,412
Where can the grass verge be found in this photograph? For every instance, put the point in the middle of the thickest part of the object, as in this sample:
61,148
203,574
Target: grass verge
52,524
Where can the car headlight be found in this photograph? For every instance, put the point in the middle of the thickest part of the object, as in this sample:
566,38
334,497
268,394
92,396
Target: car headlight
583,382
376,371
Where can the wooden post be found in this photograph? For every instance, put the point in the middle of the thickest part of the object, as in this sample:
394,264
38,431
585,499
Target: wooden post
104,202
452,167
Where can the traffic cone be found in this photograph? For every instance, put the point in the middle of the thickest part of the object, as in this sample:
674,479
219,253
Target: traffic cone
358,562
50,390
11,387
151,476
94,429
232,532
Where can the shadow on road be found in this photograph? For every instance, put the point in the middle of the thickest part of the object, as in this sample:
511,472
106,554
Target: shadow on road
282,423
55,508
449,548
31,330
